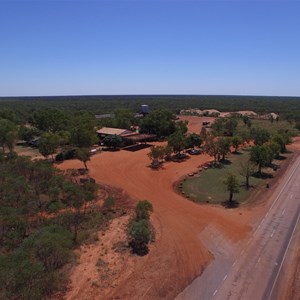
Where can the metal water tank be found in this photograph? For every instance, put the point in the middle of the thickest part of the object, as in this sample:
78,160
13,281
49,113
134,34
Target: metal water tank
145,109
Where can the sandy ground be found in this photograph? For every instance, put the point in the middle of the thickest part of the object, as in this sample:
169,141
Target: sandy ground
99,267
195,123
178,254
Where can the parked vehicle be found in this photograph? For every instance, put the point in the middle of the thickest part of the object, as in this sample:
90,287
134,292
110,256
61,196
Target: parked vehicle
194,152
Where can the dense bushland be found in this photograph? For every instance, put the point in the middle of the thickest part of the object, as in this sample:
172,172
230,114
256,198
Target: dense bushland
24,107
43,216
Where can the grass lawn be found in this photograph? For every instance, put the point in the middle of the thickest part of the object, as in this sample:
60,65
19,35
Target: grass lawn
209,186
28,151
272,127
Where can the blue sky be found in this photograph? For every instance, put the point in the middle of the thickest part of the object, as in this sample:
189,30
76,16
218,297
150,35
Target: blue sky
149,47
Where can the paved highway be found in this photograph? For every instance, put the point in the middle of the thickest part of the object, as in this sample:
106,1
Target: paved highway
252,273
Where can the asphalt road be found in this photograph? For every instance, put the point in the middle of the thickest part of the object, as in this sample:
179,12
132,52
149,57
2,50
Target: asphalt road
253,272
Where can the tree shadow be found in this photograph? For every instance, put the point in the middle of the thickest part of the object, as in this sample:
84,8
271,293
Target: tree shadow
180,158
225,162
280,157
110,149
262,175
231,204
237,153
243,186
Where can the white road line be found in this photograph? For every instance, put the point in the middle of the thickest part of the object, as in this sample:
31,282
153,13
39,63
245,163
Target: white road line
215,292
257,228
284,256
225,277
283,212
272,233
286,183
258,259
234,263
297,184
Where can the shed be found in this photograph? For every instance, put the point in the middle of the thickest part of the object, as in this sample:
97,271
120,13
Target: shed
104,131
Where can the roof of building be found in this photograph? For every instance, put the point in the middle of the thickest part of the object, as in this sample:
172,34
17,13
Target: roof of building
140,136
103,116
114,131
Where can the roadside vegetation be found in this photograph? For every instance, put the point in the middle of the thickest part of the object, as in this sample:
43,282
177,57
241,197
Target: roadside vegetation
140,230
43,218
208,186
235,170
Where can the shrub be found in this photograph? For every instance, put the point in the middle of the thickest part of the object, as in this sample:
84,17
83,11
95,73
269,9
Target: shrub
109,202
143,209
140,234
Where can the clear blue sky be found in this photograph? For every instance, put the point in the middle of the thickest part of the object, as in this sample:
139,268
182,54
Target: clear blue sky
149,47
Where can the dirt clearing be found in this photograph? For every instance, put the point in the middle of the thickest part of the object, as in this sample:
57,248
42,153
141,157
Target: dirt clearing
178,255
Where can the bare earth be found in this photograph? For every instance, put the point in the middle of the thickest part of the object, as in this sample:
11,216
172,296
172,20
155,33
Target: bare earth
195,123
179,253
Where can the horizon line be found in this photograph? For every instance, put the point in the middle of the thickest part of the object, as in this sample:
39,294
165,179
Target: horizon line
145,95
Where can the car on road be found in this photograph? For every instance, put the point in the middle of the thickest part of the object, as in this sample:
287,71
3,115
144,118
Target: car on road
194,151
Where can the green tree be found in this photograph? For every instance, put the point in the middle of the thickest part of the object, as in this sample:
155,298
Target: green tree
8,134
275,148
177,141
112,141
262,156
51,246
223,146
193,140
203,133
27,133
260,136
230,126
140,235
124,118
218,127
143,210
51,120
82,137
156,152
236,141
182,126
168,152
281,141
245,120
48,144
159,122
83,155
247,170
75,197
212,147
232,186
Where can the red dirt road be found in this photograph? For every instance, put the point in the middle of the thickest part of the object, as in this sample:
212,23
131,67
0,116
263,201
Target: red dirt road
195,123
178,255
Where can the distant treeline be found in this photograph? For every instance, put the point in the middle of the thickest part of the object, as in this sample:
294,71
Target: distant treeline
287,107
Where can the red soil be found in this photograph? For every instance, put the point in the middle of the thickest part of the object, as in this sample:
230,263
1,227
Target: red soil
178,255
195,123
